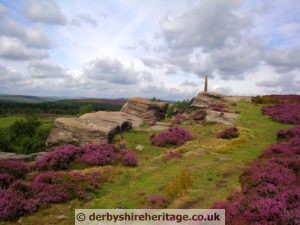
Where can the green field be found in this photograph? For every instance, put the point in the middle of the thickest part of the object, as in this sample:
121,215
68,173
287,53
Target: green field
7,121
215,165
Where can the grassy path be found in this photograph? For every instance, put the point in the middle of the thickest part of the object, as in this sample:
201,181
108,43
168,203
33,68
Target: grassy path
215,166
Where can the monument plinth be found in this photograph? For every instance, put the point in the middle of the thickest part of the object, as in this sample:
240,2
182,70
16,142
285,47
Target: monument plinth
205,98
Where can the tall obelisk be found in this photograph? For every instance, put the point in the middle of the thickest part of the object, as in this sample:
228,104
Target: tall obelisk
205,85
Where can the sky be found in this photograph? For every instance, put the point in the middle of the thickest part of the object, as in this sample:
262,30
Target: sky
149,48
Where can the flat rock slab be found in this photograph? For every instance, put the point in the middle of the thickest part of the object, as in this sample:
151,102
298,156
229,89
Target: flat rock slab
159,127
150,112
15,156
121,118
78,131
220,117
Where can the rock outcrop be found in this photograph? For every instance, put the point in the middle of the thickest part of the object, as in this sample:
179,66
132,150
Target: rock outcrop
81,131
102,126
120,118
147,110
220,117
204,99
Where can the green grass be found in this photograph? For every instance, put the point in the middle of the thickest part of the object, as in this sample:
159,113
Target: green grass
214,179
7,121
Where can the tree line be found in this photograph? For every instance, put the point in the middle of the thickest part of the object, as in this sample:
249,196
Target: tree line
61,107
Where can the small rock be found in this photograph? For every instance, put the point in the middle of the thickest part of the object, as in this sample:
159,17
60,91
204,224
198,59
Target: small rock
163,124
224,158
200,150
139,147
62,217
141,130
159,127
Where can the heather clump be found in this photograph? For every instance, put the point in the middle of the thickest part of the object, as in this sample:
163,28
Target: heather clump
158,201
15,168
199,114
5,180
283,113
58,159
23,197
270,188
98,154
179,118
90,155
173,136
283,149
13,204
128,158
57,187
228,133
218,107
287,134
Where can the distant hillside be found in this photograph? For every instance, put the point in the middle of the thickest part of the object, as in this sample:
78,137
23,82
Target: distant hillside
29,105
98,100
25,99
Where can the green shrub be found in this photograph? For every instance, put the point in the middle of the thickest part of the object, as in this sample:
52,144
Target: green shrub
24,136
5,144
23,128
85,109
265,100
179,105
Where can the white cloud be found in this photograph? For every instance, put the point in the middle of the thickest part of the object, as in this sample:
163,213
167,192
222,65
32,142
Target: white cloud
189,83
8,74
80,19
34,36
14,49
209,25
45,11
45,69
284,60
111,70
170,44
284,84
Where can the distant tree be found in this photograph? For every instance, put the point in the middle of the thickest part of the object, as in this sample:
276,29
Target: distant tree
5,144
154,99
179,105
24,127
85,109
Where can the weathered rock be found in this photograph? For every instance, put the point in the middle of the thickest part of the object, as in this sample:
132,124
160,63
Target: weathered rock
204,99
159,127
15,156
121,118
220,117
62,217
139,147
149,111
163,124
78,131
